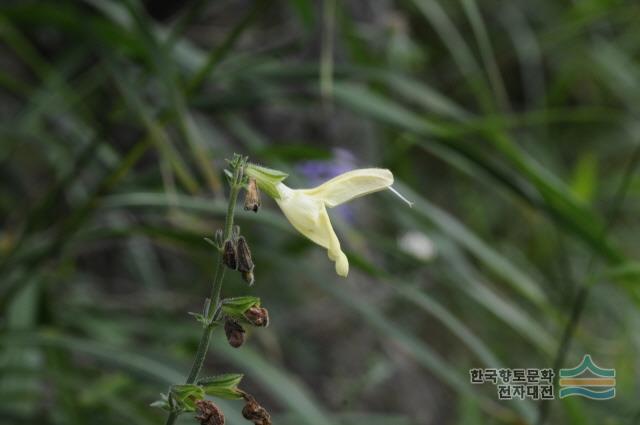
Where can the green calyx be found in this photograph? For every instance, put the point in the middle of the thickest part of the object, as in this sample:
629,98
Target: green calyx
184,397
222,386
236,307
266,178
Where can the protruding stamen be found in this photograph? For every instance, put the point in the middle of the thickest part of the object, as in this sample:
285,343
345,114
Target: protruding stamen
400,196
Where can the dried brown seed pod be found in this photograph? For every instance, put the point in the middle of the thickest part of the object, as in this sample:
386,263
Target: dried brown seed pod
230,254
254,412
234,332
245,262
252,196
209,413
248,277
257,316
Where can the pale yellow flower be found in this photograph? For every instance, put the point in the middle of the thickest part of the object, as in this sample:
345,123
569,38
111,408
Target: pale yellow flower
306,209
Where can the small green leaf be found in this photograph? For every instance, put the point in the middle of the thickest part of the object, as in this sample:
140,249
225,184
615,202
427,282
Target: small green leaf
202,319
163,403
236,307
212,243
223,386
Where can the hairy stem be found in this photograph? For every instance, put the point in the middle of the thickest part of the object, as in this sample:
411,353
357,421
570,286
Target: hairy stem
216,288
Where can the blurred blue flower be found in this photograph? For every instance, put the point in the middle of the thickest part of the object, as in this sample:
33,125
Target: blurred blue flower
319,171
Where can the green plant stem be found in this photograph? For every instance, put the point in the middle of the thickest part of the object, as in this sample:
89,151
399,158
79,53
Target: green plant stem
171,418
216,288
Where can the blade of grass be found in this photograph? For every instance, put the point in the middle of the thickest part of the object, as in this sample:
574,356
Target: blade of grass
142,365
278,383
491,258
558,199
221,51
487,53
458,48
155,130
73,223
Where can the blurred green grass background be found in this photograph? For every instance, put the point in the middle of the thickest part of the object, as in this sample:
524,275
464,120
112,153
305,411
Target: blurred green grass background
512,125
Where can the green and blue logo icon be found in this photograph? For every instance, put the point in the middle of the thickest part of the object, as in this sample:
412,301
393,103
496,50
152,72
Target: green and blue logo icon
588,380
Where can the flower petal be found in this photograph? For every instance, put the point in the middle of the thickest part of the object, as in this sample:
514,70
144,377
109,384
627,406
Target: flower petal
309,216
351,185
333,249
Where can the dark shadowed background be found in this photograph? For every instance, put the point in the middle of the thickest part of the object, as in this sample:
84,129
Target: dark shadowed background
512,125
